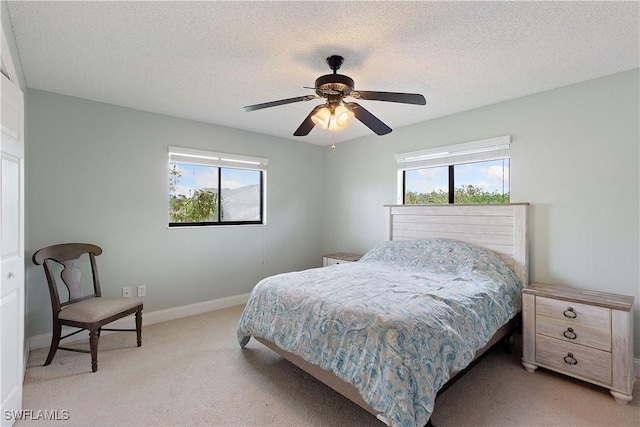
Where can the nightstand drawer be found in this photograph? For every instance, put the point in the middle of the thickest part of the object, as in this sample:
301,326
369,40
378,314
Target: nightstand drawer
573,332
575,312
574,359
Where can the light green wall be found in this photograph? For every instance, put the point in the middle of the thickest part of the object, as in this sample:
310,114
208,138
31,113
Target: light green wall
574,156
98,173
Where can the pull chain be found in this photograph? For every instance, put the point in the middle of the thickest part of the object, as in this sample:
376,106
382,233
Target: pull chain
333,138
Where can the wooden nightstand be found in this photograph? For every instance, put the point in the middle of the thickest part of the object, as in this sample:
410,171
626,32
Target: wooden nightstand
339,258
581,333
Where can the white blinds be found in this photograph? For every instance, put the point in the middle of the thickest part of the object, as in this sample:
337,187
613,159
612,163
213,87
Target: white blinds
468,152
210,158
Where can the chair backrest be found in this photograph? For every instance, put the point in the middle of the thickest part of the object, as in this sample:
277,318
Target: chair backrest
68,255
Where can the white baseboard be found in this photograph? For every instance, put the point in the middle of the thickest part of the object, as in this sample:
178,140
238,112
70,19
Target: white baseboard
44,340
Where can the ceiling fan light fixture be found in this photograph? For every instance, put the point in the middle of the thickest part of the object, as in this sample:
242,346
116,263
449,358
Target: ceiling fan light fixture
333,118
322,117
343,116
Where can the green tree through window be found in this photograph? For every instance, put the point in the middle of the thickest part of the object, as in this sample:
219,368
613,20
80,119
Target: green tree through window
463,194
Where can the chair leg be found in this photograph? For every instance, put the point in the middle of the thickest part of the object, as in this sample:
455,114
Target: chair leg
139,326
55,341
93,343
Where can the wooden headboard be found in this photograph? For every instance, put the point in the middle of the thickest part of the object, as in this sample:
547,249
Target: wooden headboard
503,228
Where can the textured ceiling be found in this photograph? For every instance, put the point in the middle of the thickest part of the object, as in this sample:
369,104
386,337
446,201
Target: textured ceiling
206,60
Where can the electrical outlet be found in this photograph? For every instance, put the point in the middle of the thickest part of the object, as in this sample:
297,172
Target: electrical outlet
126,292
142,291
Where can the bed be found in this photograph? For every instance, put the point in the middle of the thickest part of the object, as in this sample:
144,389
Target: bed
391,330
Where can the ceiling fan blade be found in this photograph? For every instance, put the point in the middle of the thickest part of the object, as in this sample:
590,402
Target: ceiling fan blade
405,98
307,124
280,102
369,120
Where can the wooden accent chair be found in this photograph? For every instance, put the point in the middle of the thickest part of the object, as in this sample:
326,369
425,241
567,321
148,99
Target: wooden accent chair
88,312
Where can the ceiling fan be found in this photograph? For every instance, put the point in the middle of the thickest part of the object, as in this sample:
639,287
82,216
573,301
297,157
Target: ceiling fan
336,113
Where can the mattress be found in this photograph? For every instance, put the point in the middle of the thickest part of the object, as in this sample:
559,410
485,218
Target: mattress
395,324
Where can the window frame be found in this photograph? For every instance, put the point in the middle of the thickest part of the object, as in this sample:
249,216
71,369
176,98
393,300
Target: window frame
222,161
451,155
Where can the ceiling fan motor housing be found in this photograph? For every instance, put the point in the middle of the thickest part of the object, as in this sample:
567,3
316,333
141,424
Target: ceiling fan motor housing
332,84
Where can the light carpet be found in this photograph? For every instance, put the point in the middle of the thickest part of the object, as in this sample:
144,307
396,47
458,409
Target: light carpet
192,372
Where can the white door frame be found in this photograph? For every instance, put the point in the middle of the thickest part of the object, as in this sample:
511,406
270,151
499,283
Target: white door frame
7,61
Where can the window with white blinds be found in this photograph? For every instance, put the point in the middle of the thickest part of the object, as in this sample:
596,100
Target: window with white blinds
211,188
471,172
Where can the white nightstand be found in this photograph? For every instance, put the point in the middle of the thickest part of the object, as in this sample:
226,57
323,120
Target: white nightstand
339,258
581,333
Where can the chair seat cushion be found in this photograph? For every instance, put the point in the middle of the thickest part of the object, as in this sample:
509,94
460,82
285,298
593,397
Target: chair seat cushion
96,309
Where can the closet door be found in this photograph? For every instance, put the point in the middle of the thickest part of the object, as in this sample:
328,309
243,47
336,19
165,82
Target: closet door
12,267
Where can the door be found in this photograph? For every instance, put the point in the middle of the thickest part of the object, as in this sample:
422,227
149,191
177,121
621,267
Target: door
12,267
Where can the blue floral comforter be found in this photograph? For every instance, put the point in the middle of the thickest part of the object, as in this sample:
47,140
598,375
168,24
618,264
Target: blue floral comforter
395,324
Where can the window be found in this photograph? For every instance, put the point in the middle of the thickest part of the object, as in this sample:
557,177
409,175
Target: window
473,172
207,188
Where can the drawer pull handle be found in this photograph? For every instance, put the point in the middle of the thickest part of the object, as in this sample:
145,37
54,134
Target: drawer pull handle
570,313
570,334
570,360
